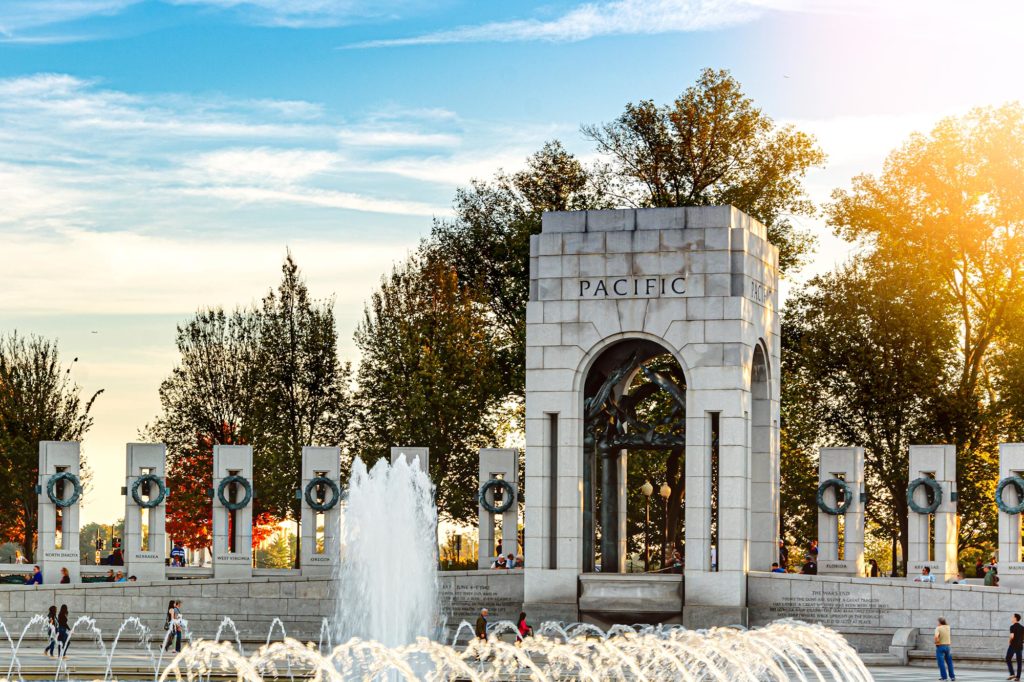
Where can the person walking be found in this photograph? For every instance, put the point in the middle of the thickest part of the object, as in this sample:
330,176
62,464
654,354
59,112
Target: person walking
783,555
481,625
1016,647
65,577
524,628
63,631
873,571
51,630
943,640
177,554
174,625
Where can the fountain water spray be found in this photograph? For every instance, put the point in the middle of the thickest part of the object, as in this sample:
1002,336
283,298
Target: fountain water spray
387,576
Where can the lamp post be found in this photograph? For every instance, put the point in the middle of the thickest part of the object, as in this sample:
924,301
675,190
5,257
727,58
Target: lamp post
647,489
665,493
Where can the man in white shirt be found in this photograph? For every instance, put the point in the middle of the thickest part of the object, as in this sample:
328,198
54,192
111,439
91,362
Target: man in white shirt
925,577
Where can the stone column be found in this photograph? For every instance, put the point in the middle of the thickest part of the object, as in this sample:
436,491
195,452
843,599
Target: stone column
320,558
939,463
411,455
846,464
57,457
499,463
232,560
1011,569
146,563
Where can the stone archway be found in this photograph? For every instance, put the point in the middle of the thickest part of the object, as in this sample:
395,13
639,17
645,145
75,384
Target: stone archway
634,400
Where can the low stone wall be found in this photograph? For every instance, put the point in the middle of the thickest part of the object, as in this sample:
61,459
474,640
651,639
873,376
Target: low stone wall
301,603
870,610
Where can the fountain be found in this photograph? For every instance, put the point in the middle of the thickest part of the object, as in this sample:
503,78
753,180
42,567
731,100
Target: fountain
387,578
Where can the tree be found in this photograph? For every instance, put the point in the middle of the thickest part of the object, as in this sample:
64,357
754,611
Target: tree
38,402
209,399
303,394
488,242
713,146
870,351
951,201
429,377
268,377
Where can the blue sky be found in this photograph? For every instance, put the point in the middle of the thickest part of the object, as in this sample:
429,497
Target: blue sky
161,155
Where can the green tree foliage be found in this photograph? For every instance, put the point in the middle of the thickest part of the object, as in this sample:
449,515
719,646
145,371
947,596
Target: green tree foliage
950,202
712,145
267,377
870,349
488,241
429,376
303,396
277,551
91,532
38,401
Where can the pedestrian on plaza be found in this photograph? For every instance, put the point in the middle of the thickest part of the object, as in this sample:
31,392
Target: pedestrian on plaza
116,558
110,576
499,562
990,576
132,578
121,578
776,568
51,631
1016,647
783,555
63,630
926,576
481,625
173,625
36,578
524,628
814,549
177,554
510,560
65,577
19,558
943,640
959,578
873,571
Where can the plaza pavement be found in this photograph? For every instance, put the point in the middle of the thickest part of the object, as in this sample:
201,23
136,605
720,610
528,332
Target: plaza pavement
918,674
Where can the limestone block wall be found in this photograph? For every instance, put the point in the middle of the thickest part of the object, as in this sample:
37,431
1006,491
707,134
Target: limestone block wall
869,610
301,602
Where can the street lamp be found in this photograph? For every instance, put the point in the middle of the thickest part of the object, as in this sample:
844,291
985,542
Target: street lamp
665,493
647,489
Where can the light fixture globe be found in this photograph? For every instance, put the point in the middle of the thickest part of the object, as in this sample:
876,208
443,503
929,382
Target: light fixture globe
647,489
665,491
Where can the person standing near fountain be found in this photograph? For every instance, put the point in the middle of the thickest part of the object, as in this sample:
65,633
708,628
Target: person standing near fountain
63,629
1016,647
36,578
51,627
481,625
173,625
524,628
943,641
65,578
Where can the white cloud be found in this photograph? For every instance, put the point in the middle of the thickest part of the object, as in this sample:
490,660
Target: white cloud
304,13
18,15
597,19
